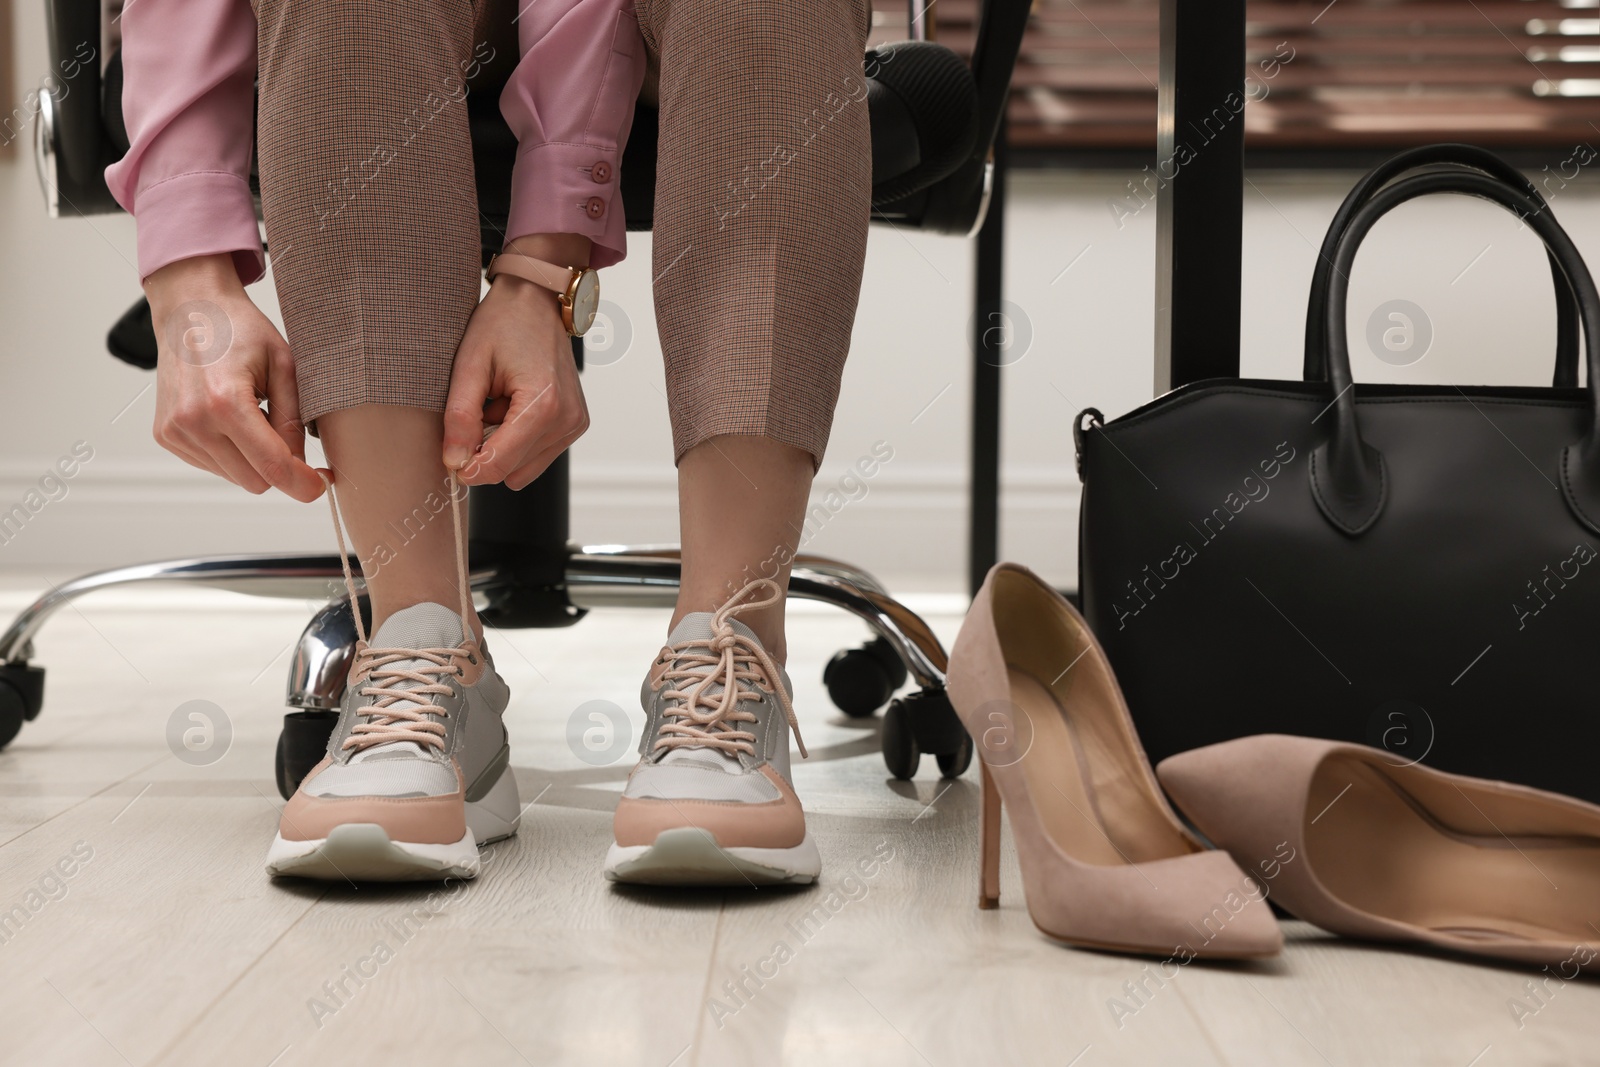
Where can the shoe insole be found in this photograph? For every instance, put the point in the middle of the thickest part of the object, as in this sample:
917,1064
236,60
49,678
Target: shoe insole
1085,793
1379,849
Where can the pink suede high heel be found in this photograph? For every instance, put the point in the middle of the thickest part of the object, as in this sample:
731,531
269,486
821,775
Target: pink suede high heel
1105,862
1387,850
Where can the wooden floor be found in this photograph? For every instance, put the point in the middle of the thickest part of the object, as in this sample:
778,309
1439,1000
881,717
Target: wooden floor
167,944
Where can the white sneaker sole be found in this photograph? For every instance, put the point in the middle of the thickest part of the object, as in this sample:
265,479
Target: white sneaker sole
689,856
364,852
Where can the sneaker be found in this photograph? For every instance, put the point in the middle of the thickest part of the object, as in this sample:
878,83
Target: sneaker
711,802
418,772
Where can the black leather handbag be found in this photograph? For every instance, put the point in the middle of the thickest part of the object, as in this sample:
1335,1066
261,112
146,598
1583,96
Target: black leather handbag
1411,567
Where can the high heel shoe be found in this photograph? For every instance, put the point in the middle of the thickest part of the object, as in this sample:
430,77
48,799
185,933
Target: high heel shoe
1105,862
1376,848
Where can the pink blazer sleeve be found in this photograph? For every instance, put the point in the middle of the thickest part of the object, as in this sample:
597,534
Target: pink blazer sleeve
189,69
570,103
188,96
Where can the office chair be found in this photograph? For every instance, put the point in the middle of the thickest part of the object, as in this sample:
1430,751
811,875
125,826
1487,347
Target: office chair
934,123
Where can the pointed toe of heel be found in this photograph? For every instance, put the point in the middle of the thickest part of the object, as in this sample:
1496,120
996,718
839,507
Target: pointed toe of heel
1233,920
1197,906
1207,908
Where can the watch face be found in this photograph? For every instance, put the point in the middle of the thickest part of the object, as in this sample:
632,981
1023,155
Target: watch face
585,301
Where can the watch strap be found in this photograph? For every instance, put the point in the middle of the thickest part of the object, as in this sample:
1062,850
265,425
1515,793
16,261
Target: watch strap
537,271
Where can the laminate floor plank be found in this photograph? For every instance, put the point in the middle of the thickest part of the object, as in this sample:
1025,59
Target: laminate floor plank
1332,1001
167,944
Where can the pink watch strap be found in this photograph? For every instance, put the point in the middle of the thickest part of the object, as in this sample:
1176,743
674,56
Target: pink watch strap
537,271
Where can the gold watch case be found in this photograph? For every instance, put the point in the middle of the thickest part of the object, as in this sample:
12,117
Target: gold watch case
581,301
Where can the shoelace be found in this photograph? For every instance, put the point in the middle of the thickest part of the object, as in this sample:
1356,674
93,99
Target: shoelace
731,658
386,721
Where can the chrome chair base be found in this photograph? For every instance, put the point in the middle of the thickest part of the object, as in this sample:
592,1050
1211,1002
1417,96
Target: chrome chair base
596,576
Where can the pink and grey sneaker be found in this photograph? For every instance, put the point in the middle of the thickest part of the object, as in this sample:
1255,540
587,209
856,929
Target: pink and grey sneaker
418,771
711,802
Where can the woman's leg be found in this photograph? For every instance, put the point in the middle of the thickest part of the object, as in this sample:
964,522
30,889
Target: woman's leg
741,506
395,497
762,196
372,222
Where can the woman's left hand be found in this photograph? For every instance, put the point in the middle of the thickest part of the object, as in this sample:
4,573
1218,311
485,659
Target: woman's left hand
515,375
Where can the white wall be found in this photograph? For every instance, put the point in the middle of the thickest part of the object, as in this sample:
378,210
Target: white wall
1482,284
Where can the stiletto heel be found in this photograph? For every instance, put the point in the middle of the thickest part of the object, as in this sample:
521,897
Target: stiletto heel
989,838
1105,862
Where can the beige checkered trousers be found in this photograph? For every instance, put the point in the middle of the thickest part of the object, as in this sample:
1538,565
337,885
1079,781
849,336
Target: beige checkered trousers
762,198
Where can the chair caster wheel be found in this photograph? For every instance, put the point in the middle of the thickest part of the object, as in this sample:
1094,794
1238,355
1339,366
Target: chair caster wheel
900,751
923,722
21,697
301,746
955,764
11,714
861,680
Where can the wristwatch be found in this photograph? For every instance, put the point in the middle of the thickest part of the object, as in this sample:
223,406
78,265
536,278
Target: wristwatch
576,288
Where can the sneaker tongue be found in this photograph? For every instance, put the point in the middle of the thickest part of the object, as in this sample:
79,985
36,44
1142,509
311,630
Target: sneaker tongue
696,626
419,626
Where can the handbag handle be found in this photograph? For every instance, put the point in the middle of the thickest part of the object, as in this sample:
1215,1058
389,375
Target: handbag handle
1463,157
1348,476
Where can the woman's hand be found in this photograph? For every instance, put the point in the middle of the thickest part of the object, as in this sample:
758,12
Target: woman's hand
218,358
514,373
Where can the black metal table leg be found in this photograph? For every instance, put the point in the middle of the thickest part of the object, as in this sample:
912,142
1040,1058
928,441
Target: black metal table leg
1200,191
990,329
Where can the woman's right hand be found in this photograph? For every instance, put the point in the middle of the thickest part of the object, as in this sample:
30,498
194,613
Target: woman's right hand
218,358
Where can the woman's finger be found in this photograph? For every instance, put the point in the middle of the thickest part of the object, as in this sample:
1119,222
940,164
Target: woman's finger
254,438
463,409
283,403
526,423
181,445
232,463
525,475
496,410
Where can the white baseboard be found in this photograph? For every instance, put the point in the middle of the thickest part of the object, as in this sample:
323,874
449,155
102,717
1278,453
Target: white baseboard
908,526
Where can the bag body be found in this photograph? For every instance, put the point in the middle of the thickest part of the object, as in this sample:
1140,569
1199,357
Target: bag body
1411,567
